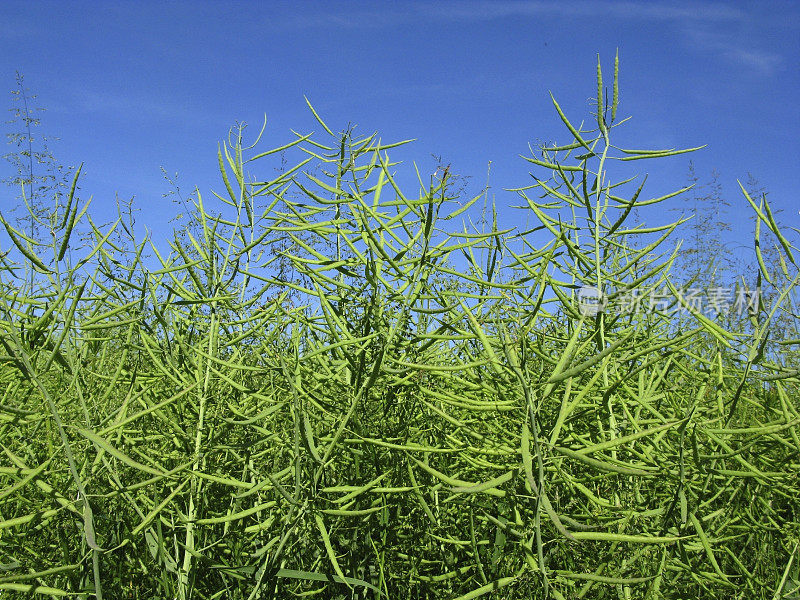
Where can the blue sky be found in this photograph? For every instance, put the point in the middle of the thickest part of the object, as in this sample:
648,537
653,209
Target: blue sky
130,87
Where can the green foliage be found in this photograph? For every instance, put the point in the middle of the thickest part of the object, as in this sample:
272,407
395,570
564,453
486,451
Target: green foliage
705,256
39,180
331,387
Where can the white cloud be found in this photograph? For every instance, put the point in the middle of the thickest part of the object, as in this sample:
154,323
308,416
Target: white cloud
481,10
132,107
733,48
489,9
763,62
705,27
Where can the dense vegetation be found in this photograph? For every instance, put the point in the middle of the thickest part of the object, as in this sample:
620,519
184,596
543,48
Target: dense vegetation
327,388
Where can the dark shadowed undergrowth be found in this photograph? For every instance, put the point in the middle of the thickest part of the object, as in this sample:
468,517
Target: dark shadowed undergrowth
331,388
